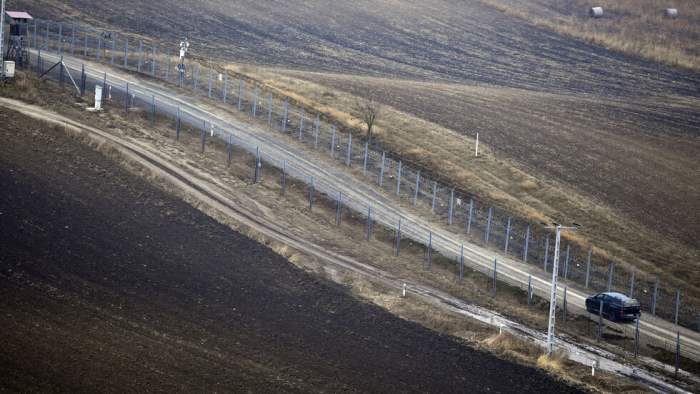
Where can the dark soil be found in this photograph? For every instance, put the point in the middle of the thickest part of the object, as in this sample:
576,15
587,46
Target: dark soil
109,284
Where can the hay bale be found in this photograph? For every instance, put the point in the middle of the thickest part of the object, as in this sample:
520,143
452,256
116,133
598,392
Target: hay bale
596,12
671,13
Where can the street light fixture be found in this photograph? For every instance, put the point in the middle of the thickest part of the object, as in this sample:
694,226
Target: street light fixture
553,294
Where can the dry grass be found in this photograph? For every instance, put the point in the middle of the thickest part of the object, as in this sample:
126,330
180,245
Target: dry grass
318,226
635,27
492,176
554,363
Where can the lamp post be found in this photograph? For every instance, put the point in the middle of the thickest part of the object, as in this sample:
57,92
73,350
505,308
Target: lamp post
2,40
553,294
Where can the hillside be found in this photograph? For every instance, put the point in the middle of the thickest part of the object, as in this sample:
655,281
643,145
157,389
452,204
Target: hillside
616,135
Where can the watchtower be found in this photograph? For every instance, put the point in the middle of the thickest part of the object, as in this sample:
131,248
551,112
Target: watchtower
17,48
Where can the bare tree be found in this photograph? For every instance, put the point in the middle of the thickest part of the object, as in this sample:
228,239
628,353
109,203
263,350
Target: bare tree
369,111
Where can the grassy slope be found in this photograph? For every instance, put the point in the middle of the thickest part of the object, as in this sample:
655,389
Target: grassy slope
633,26
538,98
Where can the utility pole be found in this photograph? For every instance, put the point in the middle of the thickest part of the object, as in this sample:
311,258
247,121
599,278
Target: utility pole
2,40
553,294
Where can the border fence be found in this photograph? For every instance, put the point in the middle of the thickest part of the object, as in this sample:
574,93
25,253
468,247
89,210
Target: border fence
477,220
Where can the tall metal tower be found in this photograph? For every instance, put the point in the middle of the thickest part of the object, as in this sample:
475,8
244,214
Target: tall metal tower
553,294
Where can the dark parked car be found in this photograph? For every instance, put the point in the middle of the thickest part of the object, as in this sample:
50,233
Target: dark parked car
616,306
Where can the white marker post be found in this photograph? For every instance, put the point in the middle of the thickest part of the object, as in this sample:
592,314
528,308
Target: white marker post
404,291
476,147
98,97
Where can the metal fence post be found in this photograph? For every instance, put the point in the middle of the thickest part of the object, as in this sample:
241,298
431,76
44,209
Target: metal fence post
527,243
333,131
338,208
429,251
302,115
85,45
488,225
317,128
177,125
529,290
36,38
364,160
369,222
225,93
283,179
204,134
564,306
380,181
434,200
82,79
450,208
229,151
588,267
495,275
210,82
258,165
126,52
154,59
284,116
241,92
398,178
611,269
153,110
104,86
632,284
546,252
114,47
269,109
61,70
505,246
98,51
59,40
636,337
678,352
566,261
47,43
139,59
600,321
311,194
677,306
655,296
461,262
415,191
126,98
469,216
348,157
72,40
398,238
195,76
256,92
39,62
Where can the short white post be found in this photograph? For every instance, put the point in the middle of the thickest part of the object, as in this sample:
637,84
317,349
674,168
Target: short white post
403,294
476,147
98,97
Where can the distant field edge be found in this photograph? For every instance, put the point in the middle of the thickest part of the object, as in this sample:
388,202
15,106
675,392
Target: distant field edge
640,46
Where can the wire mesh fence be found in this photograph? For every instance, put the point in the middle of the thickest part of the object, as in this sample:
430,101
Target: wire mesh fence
477,220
